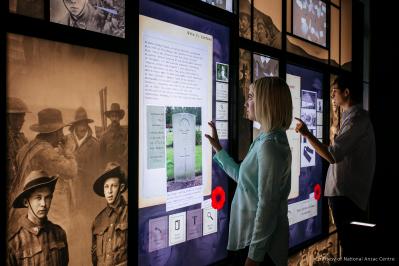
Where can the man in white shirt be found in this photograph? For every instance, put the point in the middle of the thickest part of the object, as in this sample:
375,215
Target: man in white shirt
352,162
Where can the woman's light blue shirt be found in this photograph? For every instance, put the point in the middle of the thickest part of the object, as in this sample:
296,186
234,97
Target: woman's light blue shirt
258,217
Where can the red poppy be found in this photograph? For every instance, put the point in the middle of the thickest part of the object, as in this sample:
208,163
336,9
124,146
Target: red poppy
317,191
218,198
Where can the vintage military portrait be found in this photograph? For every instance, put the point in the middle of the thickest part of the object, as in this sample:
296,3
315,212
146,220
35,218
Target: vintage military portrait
67,154
105,16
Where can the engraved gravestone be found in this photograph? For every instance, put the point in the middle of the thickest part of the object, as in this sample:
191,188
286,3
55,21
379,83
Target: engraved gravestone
183,146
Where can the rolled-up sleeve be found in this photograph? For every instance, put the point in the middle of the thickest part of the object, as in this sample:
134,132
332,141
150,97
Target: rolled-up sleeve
270,171
348,138
223,159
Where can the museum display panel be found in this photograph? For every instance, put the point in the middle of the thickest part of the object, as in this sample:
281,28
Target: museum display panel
305,207
184,81
65,95
167,68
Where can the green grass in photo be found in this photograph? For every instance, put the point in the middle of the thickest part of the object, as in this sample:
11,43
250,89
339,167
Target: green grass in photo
169,158
198,160
169,138
169,164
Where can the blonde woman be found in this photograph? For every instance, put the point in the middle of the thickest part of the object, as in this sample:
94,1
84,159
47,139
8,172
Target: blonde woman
258,221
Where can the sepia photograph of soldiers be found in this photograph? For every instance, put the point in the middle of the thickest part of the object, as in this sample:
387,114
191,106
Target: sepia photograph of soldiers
67,154
35,239
109,229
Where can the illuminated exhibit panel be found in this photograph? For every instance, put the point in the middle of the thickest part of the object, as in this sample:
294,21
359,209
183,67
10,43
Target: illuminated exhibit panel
309,20
175,101
267,23
60,82
184,77
305,207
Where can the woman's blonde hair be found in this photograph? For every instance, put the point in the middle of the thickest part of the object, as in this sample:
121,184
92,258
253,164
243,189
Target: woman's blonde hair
273,103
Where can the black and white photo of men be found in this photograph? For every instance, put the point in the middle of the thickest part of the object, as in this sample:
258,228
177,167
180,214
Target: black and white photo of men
105,16
308,99
309,117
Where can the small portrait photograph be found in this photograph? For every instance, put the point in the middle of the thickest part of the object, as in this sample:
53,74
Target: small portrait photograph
308,99
183,147
222,72
104,16
29,8
320,105
67,145
308,116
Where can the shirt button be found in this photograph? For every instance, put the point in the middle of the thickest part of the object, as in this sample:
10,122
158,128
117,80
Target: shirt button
109,239
111,225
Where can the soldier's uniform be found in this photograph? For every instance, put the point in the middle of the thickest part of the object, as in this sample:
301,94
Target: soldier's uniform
114,141
43,244
114,146
109,245
15,140
90,19
87,154
40,154
87,157
110,227
86,151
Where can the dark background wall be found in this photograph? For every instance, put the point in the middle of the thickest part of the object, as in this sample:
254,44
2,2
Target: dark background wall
384,112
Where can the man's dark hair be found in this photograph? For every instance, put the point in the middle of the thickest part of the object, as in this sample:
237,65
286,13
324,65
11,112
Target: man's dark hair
346,82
